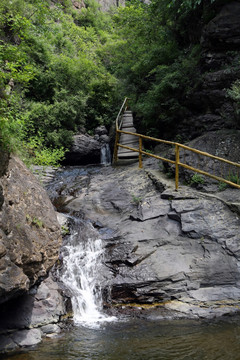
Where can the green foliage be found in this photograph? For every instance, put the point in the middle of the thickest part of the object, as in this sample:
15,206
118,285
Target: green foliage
61,69
234,178
52,80
65,230
148,151
234,94
11,123
40,155
136,199
154,70
92,16
34,221
222,186
186,5
196,179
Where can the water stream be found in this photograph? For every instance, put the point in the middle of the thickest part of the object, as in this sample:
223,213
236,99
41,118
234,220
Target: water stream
83,257
106,154
143,340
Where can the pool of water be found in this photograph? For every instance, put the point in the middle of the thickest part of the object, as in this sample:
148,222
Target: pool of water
143,340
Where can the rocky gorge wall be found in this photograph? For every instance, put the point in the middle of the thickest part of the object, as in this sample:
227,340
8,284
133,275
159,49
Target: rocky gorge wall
30,239
30,233
209,105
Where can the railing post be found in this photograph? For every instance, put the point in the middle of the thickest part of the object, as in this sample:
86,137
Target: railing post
126,104
115,153
176,166
140,152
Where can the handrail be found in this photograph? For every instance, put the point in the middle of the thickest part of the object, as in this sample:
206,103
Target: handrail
176,162
118,125
122,109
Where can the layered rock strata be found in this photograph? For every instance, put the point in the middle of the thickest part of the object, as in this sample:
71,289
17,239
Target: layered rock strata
210,107
179,250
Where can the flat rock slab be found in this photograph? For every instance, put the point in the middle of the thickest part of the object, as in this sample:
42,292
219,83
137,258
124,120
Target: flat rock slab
162,244
151,208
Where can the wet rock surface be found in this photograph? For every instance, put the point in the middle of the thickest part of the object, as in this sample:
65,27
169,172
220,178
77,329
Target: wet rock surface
30,317
178,249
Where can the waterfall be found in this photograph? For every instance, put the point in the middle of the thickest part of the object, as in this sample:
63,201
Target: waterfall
105,154
81,274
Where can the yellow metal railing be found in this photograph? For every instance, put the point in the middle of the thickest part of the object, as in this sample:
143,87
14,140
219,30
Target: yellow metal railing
118,125
177,161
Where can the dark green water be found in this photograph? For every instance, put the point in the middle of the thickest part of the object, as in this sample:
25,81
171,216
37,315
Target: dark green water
143,340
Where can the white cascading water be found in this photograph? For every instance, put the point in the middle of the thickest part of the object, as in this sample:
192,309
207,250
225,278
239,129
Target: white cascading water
105,154
82,263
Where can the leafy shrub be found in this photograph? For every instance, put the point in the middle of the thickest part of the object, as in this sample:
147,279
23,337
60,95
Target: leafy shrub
196,179
52,80
234,94
35,153
154,69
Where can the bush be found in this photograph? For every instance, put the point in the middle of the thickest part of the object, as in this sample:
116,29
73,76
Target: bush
35,153
154,69
234,94
52,80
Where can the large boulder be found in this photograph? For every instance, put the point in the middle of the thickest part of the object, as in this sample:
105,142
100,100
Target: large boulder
85,150
30,236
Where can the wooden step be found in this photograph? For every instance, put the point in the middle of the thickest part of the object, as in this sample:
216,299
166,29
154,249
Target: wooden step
128,121
130,140
134,144
127,125
130,129
123,151
128,136
127,116
129,155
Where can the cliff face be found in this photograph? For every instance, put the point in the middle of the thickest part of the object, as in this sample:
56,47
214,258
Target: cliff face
210,106
105,4
30,235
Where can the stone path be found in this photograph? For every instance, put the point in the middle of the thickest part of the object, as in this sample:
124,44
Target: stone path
127,139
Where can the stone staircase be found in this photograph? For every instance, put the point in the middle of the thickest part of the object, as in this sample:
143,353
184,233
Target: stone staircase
127,139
